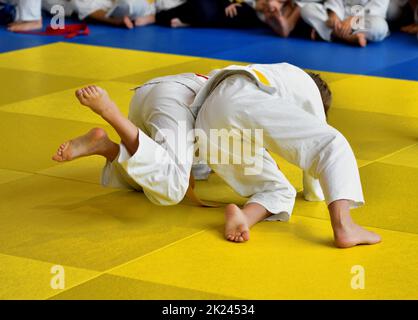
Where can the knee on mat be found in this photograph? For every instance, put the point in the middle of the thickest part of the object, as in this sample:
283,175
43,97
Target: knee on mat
167,200
377,28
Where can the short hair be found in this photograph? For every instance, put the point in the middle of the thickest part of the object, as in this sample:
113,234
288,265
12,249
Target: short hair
325,91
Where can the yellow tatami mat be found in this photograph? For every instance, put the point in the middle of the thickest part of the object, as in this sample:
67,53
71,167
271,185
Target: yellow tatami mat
115,244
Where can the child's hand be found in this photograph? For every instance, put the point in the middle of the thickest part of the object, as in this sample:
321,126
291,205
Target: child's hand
275,6
231,10
261,5
345,27
333,21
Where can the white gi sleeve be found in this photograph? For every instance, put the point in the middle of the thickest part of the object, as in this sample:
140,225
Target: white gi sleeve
377,8
154,169
336,6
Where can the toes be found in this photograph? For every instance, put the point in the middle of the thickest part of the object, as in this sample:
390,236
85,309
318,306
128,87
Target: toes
56,157
88,91
94,89
230,237
83,93
237,237
376,238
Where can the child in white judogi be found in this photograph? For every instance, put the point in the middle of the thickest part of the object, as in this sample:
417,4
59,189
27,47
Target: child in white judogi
353,21
28,15
161,124
282,100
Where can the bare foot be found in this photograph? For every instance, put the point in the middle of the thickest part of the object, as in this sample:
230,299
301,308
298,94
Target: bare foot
177,23
93,142
412,28
97,99
143,21
353,235
236,225
25,26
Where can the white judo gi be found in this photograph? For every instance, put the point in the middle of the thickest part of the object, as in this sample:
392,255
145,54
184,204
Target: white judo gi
162,164
373,13
26,10
285,103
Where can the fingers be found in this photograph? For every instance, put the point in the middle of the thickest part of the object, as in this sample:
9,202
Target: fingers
343,28
231,11
330,23
346,29
228,11
337,24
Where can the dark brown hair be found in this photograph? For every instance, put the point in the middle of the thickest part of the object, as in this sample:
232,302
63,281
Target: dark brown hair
326,94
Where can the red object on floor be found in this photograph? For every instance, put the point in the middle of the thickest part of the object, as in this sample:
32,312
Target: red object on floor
69,31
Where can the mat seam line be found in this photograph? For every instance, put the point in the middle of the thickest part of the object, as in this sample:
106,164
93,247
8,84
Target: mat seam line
390,155
107,271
